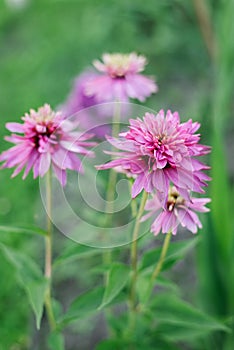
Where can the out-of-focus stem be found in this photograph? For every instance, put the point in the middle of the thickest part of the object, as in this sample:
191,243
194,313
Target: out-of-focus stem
112,177
132,294
48,252
133,202
113,174
205,24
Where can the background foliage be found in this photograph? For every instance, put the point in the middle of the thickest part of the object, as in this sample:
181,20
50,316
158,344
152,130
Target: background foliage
190,49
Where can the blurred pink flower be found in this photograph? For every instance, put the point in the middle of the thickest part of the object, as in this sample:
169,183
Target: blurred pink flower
77,99
178,211
158,150
78,104
120,79
47,140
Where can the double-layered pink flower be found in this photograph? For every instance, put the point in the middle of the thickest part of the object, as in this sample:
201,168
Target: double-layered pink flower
120,78
178,211
47,140
158,150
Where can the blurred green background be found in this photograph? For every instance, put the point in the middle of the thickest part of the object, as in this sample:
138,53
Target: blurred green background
190,48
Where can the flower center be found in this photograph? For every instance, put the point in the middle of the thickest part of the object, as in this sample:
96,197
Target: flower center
118,64
174,199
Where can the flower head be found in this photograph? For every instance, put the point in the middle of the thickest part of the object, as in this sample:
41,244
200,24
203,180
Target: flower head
157,150
178,211
120,78
47,139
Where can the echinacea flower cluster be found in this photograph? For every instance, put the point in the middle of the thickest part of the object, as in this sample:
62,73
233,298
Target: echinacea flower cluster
159,151
120,78
47,140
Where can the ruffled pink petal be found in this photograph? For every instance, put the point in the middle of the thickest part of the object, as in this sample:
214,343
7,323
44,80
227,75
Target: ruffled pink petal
187,220
60,174
45,161
15,127
138,185
158,222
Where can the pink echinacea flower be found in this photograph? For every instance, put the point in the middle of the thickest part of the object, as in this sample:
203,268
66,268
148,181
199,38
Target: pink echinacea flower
47,140
178,211
120,78
158,150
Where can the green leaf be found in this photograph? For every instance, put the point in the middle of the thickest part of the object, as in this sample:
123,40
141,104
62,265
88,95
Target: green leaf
143,285
111,344
176,251
83,305
56,341
179,320
117,279
22,230
76,252
30,278
221,209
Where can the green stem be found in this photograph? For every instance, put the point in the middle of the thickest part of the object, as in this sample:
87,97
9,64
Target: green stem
113,174
133,201
159,265
48,252
112,179
132,295
134,251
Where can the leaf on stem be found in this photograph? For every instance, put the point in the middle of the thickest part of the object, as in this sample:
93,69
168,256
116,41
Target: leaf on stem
56,341
75,252
176,251
179,320
144,282
30,278
22,230
117,279
83,305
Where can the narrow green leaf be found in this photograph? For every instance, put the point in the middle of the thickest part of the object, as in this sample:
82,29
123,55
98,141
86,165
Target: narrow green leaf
30,278
176,251
181,320
221,209
22,230
117,279
56,341
75,252
83,305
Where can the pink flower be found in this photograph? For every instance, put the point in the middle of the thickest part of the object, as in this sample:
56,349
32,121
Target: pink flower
158,150
121,79
78,104
78,100
178,211
47,140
